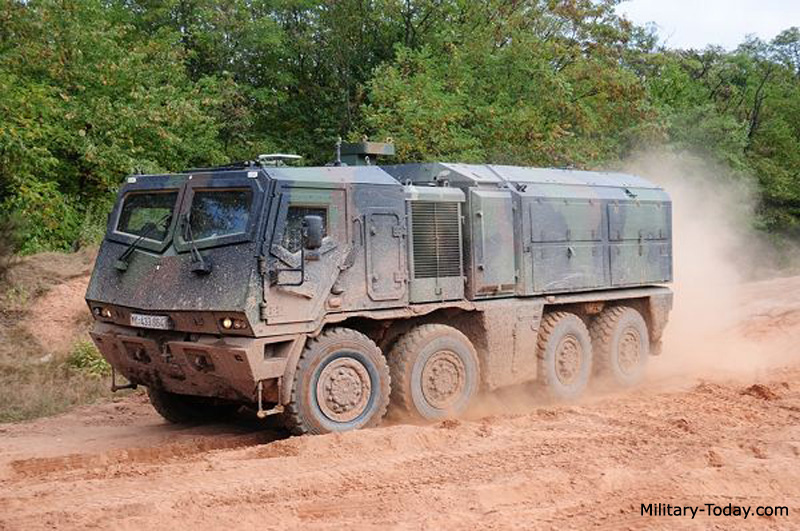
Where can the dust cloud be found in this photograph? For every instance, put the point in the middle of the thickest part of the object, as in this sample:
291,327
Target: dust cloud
721,300
716,254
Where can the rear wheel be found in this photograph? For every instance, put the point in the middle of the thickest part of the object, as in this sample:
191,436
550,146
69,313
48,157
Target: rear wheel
341,383
186,409
435,372
622,345
565,355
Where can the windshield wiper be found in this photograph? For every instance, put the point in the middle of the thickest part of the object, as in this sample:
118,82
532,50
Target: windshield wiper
199,264
124,259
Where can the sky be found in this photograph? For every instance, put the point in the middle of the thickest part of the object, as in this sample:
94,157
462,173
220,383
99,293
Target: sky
698,23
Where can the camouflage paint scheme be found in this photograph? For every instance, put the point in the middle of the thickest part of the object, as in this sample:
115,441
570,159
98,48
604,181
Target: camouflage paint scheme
525,239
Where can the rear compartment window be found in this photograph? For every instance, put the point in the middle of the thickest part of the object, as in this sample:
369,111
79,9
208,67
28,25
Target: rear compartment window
217,213
140,210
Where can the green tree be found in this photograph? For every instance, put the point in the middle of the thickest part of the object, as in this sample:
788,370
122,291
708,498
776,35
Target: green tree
87,103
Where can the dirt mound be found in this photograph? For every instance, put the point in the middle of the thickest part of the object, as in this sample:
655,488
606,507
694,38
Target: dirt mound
37,273
60,316
171,452
45,302
761,391
42,314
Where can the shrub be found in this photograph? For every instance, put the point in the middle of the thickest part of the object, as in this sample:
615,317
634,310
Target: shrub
9,242
52,220
84,356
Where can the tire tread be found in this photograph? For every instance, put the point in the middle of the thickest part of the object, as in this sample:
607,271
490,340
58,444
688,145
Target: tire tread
602,332
546,329
292,415
399,361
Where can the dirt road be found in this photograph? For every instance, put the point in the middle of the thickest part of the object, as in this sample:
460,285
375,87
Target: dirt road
718,423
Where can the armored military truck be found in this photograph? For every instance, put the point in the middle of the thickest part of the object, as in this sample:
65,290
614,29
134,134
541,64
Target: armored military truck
325,294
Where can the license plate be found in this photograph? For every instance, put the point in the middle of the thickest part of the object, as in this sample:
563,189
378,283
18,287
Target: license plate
160,322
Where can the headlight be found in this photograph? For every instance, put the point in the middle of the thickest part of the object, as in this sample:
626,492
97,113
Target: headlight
102,311
229,323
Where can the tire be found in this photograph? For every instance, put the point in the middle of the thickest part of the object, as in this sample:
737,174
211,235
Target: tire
341,384
622,345
565,356
444,358
185,409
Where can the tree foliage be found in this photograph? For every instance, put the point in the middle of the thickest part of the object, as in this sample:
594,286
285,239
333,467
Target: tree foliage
93,90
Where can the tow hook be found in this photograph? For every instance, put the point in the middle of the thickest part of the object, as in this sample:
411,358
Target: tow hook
115,387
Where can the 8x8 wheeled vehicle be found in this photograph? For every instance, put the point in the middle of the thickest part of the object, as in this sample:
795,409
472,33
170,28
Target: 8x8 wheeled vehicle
325,293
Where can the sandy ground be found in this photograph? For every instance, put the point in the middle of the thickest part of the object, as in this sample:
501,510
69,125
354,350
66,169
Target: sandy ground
717,423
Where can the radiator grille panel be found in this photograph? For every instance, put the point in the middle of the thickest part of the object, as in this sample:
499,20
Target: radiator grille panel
436,243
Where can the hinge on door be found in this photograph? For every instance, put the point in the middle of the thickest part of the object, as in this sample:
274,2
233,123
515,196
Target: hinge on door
398,231
262,265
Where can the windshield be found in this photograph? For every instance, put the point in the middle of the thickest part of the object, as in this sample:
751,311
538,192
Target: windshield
140,210
217,213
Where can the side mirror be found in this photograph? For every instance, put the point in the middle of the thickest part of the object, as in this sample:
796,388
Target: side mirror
313,232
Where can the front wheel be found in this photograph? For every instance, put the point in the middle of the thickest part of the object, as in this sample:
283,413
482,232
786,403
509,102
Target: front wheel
341,384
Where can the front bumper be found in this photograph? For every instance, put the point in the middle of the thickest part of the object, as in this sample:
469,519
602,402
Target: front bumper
228,368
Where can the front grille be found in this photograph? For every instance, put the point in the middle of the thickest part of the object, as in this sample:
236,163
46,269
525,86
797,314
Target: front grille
435,239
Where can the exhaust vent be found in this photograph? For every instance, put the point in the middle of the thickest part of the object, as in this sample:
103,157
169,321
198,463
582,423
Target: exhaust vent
436,239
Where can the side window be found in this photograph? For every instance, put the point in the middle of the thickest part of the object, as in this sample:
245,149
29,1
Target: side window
293,232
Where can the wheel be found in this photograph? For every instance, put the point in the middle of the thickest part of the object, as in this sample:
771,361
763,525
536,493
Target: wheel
185,409
341,383
435,372
565,355
622,345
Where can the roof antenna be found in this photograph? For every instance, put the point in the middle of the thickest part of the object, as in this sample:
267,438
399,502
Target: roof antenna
338,161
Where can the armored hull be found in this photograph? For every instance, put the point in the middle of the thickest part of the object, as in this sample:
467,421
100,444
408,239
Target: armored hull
232,295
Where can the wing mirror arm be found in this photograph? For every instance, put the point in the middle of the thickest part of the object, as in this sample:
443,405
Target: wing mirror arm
313,233
301,270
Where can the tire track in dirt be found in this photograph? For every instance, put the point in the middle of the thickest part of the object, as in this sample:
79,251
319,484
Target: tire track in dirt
304,480
181,451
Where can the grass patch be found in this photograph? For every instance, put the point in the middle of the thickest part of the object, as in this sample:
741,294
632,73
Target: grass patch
47,387
34,383
85,357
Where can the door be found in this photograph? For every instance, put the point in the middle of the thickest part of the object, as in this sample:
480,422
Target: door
492,262
386,275
566,241
300,281
639,242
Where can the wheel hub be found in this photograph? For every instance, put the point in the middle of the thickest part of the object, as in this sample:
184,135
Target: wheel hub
443,379
343,389
630,350
569,357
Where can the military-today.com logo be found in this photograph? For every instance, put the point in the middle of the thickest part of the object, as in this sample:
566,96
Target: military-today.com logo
711,509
